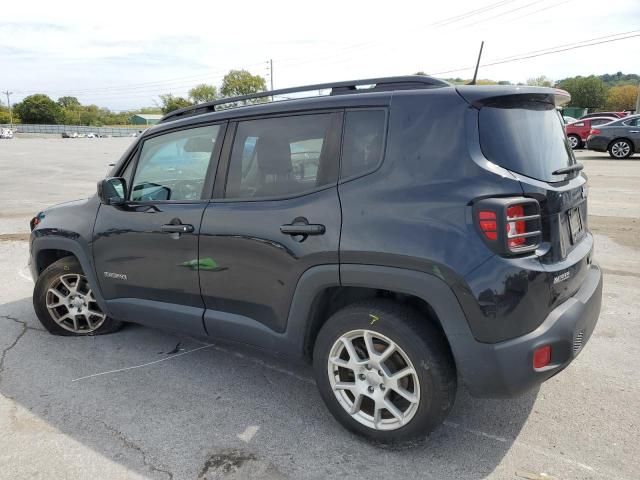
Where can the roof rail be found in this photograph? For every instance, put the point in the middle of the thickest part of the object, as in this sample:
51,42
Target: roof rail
406,82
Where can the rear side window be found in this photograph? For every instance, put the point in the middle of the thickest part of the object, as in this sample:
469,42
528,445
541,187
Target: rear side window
362,144
283,156
526,138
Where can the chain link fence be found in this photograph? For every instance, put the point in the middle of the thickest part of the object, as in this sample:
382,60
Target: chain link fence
75,130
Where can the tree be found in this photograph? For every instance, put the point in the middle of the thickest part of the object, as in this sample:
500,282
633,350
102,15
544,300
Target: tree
203,93
586,92
622,98
171,103
68,102
541,81
241,82
38,108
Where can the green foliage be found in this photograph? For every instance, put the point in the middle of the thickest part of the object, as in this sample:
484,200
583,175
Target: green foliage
622,97
587,92
4,116
68,102
619,78
38,108
171,103
241,82
541,81
203,93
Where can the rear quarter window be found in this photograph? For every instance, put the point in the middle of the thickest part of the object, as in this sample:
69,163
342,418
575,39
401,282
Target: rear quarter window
526,138
363,142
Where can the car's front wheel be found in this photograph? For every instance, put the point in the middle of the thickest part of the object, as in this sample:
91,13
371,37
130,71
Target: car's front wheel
65,304
384,371
620,148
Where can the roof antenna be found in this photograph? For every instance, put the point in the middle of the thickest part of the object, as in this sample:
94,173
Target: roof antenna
475,74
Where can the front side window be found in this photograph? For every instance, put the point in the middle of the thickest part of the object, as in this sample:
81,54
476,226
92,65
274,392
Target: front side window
282,156
364,133
174,166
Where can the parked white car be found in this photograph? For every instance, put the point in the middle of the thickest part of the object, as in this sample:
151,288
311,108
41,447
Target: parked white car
6,133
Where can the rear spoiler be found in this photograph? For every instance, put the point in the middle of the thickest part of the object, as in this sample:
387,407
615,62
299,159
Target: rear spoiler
482,95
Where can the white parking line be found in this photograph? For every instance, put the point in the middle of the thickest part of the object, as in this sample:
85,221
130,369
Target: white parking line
534,448
248,433
24,276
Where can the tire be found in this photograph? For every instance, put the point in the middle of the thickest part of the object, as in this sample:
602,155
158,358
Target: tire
64,302
575,141
620,148
428,389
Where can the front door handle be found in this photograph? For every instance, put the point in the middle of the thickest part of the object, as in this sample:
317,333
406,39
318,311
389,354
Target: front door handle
302,229
177,228
634,131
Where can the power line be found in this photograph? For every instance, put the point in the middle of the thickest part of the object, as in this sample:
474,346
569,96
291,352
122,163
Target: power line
470,13
133,86
553,50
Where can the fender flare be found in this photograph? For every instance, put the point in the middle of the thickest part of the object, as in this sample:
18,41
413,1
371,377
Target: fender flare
428,287
52,242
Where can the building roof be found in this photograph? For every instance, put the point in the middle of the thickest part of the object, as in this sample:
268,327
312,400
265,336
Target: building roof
148,116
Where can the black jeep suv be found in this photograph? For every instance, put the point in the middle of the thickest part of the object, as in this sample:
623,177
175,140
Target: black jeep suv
400,233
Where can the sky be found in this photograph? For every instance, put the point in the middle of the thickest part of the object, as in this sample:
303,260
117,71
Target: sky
122,55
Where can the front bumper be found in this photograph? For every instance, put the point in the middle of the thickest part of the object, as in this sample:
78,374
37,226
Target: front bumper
505,369
599,144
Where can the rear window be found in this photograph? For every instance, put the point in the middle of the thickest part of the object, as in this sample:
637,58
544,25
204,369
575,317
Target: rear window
526,138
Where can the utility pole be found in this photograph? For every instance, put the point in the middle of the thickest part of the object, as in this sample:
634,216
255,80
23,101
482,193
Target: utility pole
638,100
270,67
8,94
271,72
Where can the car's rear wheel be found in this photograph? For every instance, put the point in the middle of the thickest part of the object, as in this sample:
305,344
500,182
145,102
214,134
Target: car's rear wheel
65,304
620,148
575,141
384,371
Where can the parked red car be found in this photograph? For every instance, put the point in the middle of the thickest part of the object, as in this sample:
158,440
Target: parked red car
577,132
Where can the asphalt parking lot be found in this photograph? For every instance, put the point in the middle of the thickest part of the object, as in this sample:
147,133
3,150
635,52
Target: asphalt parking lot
143,403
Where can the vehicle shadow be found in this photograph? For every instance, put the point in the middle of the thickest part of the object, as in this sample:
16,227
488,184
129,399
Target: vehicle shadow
167,406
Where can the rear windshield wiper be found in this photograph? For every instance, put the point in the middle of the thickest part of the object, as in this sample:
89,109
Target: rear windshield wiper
573,168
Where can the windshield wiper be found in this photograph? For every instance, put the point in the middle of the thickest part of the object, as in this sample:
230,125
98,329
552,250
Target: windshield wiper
573,168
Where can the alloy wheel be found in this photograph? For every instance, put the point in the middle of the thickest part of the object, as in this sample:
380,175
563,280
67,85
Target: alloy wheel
573,142
620,149
71,304
374,380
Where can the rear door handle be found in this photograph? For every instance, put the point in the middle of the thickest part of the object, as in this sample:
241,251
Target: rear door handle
302,229
634,131
179,228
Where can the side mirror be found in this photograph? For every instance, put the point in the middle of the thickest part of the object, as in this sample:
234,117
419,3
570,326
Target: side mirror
113,191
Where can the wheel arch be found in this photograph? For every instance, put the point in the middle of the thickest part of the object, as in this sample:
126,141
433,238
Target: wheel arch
314,301
47,249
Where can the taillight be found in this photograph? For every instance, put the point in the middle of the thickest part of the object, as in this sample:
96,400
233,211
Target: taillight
34,222
509,225
515,226
594,131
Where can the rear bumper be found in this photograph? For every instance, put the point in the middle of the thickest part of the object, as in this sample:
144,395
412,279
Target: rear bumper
505,369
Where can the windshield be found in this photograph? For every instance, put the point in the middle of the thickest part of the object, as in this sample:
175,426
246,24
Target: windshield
526,138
